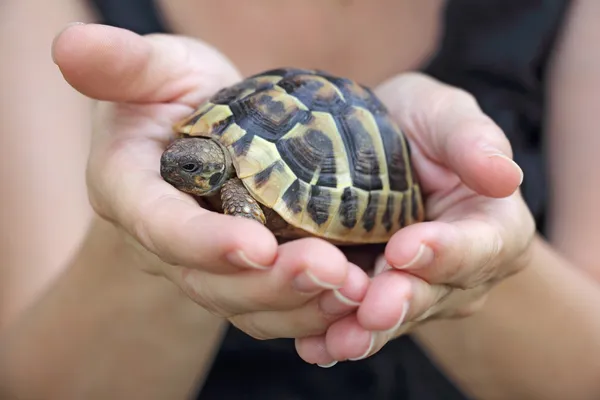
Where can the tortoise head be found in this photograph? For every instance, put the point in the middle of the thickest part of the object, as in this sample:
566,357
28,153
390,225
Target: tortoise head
198,166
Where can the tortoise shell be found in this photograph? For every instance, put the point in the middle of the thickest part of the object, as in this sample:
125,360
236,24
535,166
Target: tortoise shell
320,150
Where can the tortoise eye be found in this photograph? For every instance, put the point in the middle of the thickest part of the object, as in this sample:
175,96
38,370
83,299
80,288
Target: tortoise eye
189,167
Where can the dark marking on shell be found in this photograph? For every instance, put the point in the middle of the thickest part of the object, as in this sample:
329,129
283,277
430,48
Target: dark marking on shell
368,219
313,93
318,205
415,205
386,219
360,151
358,95
305,154
273,124
221,126
405,204
232,93
293,196
394,153
195,118
348,208
274,108
261,178
242,145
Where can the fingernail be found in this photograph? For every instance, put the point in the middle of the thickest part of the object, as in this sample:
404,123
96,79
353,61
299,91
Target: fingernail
331,364
337,304
240,259
393,329
343,299
512,162
369,349
424,256
306,282
381,267
59,33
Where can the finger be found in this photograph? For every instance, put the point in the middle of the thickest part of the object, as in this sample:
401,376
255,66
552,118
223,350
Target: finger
313,350
186,235
487,243
126,188
333,305
346,339
384,315
395,297
304,268
114,64
450,128
348,297
309,320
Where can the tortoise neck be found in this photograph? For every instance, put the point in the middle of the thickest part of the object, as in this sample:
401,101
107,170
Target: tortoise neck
229,169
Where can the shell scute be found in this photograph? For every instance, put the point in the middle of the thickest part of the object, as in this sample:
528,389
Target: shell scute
321,151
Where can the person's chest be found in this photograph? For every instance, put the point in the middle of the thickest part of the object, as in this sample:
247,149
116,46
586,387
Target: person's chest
368,40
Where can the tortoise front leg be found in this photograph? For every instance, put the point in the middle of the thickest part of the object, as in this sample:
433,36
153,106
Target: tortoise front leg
237,201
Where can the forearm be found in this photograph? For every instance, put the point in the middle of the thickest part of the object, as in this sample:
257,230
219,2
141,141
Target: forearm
539,334
106,330
44,138
538,337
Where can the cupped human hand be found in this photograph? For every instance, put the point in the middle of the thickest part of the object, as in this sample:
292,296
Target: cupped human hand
230,266
477,232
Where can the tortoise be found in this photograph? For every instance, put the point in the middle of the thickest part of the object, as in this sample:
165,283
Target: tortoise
301,151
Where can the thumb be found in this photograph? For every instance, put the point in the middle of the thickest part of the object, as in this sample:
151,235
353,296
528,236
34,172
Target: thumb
114,64
450,129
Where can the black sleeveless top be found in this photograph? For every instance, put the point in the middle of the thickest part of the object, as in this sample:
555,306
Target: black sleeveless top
497,50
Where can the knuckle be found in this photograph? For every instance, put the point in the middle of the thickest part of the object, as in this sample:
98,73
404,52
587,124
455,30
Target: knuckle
485,267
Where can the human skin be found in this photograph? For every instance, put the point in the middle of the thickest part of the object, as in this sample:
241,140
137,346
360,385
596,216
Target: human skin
480,351
62,154
538,335
230,266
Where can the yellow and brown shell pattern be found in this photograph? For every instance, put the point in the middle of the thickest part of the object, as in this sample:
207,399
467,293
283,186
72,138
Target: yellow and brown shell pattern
320,150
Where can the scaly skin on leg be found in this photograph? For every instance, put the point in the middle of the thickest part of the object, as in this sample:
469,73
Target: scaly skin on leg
237,201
